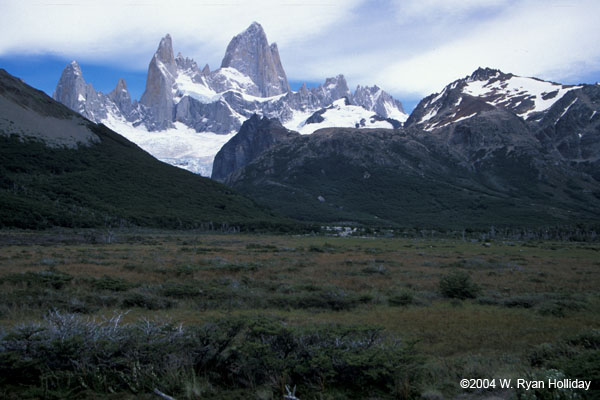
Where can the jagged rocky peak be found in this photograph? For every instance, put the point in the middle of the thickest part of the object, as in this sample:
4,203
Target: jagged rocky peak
75,93
120,90
334,88
338,83
74,67
250,53
164,54
206,70
158,96
71,86
484,74
187,64
121,97
303,89
376,99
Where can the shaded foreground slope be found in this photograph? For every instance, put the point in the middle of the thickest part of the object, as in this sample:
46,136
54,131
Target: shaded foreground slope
97,178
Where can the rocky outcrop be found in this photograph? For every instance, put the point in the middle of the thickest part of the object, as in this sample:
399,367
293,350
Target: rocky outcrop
333,89
158,96
217,117
75,93
79,96
122,99
377,100
255,136
250,53
571,127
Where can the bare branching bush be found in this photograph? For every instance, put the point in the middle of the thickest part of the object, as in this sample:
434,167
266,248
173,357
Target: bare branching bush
67,354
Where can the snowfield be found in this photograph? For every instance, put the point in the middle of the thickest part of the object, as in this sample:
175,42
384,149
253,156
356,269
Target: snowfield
341,115
181,146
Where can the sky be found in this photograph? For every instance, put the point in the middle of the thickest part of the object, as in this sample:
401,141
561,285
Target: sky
410,48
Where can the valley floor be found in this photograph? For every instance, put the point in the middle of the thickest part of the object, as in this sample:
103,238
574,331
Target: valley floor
335,317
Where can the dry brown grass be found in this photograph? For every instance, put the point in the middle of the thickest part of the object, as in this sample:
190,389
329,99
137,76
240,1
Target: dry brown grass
361,265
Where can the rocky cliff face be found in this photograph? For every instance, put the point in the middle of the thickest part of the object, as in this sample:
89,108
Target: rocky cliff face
250,53
333,89
79,96
255,136
122,99
73,92
158,96
570,129
375,99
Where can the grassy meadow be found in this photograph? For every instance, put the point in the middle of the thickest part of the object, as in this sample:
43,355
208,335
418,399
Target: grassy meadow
95,314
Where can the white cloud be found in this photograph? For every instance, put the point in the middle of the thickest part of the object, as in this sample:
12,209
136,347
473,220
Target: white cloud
545,39
127,33
410,48
434,10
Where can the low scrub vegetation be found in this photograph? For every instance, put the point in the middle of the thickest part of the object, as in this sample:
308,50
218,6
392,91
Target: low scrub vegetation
242,316
67,355
458,285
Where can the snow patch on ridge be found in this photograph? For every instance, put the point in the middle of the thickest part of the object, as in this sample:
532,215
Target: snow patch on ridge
298,120
503,91
200,91
341,115
565,111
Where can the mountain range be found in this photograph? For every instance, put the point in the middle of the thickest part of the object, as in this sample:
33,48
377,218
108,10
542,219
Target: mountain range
491,148
186,113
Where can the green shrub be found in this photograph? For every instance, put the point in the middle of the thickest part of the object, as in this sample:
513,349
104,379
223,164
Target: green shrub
70,357
403,298
560,307
145,299
180,290
588,340
332,299
526,301
574,358
458,285
111,284
375,269
261,247
50,278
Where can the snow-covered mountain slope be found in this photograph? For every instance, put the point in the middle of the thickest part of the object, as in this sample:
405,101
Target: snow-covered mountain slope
343,114
180,145
180,99
484,90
